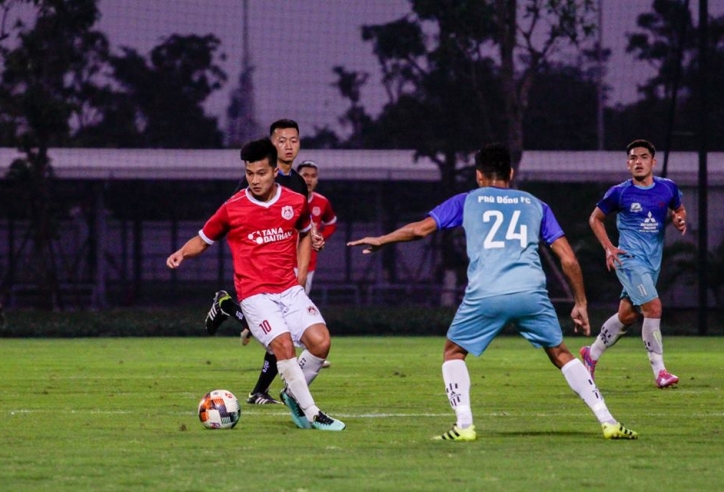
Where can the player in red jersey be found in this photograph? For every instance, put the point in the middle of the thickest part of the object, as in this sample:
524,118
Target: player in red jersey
323,218
284,134
267,226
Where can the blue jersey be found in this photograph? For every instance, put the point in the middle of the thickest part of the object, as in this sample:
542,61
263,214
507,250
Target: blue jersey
502,230
641,218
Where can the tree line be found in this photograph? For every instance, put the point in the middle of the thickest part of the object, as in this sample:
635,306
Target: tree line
457,73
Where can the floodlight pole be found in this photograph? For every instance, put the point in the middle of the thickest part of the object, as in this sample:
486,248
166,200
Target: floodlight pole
703,181
599,84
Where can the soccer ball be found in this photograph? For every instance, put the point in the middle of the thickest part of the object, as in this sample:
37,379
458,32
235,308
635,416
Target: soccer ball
219,409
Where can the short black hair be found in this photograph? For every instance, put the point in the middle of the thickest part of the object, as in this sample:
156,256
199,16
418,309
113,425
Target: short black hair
258,150
641,143
493,160
283,123
307,164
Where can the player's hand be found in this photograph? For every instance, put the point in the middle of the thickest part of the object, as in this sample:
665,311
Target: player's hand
174,260
612,257
581,325
318,242
317,239
679,221
372,244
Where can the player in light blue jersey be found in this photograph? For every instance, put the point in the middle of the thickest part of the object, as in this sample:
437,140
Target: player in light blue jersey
642,204
506,284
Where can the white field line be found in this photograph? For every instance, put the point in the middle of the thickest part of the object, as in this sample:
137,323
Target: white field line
479,413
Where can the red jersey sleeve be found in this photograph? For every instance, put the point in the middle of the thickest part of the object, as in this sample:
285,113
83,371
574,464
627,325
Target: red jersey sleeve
217,226
328,220
329,226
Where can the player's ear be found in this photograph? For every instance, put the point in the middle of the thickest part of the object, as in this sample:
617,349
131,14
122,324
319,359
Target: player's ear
512,173
479,177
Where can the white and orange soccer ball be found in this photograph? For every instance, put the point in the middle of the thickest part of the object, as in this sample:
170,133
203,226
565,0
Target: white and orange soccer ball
219,409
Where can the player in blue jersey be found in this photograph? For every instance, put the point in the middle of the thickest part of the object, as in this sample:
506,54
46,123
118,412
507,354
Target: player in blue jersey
506,284
642,204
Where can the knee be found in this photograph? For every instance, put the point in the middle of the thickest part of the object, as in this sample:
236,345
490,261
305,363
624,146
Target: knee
452,351
627,315
560,355
321,348
652,309
283,347
317,341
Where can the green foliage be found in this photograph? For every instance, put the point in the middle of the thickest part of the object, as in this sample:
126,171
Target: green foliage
667,39
682,261
52,73
108,323
62,86
190,322
55,91
342,321
664,34
120,414
550,125
49,76
441,79
166,94
447,94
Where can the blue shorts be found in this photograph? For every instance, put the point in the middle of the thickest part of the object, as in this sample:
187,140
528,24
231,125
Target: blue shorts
477,323
638,280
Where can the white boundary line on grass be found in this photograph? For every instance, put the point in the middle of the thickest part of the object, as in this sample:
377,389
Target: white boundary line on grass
255,412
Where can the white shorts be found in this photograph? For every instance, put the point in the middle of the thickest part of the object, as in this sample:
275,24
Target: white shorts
270,315
308,283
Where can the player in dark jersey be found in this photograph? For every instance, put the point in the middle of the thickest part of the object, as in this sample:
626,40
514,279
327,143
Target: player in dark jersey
284,134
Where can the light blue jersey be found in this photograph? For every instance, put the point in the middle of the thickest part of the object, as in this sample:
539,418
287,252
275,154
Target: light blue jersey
641,219
502,229
506,283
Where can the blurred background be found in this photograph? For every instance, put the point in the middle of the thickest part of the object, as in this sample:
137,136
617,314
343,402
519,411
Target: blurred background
121,120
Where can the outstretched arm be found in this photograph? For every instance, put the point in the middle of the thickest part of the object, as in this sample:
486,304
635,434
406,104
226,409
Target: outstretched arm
193,247
410,232
596,221
574,276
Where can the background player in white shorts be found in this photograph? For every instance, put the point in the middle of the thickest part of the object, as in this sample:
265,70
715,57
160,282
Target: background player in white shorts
323,218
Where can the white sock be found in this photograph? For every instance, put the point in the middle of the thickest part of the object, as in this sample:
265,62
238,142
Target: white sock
580,381
293,376
457,386
311,365
611,331
651,335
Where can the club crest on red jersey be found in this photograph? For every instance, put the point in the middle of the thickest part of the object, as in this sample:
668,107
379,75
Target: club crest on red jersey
316,211
287,212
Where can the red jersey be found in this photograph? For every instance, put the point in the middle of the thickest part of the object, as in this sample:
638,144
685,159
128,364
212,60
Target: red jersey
324,220
262,237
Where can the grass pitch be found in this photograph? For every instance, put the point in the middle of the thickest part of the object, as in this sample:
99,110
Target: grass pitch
119,414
